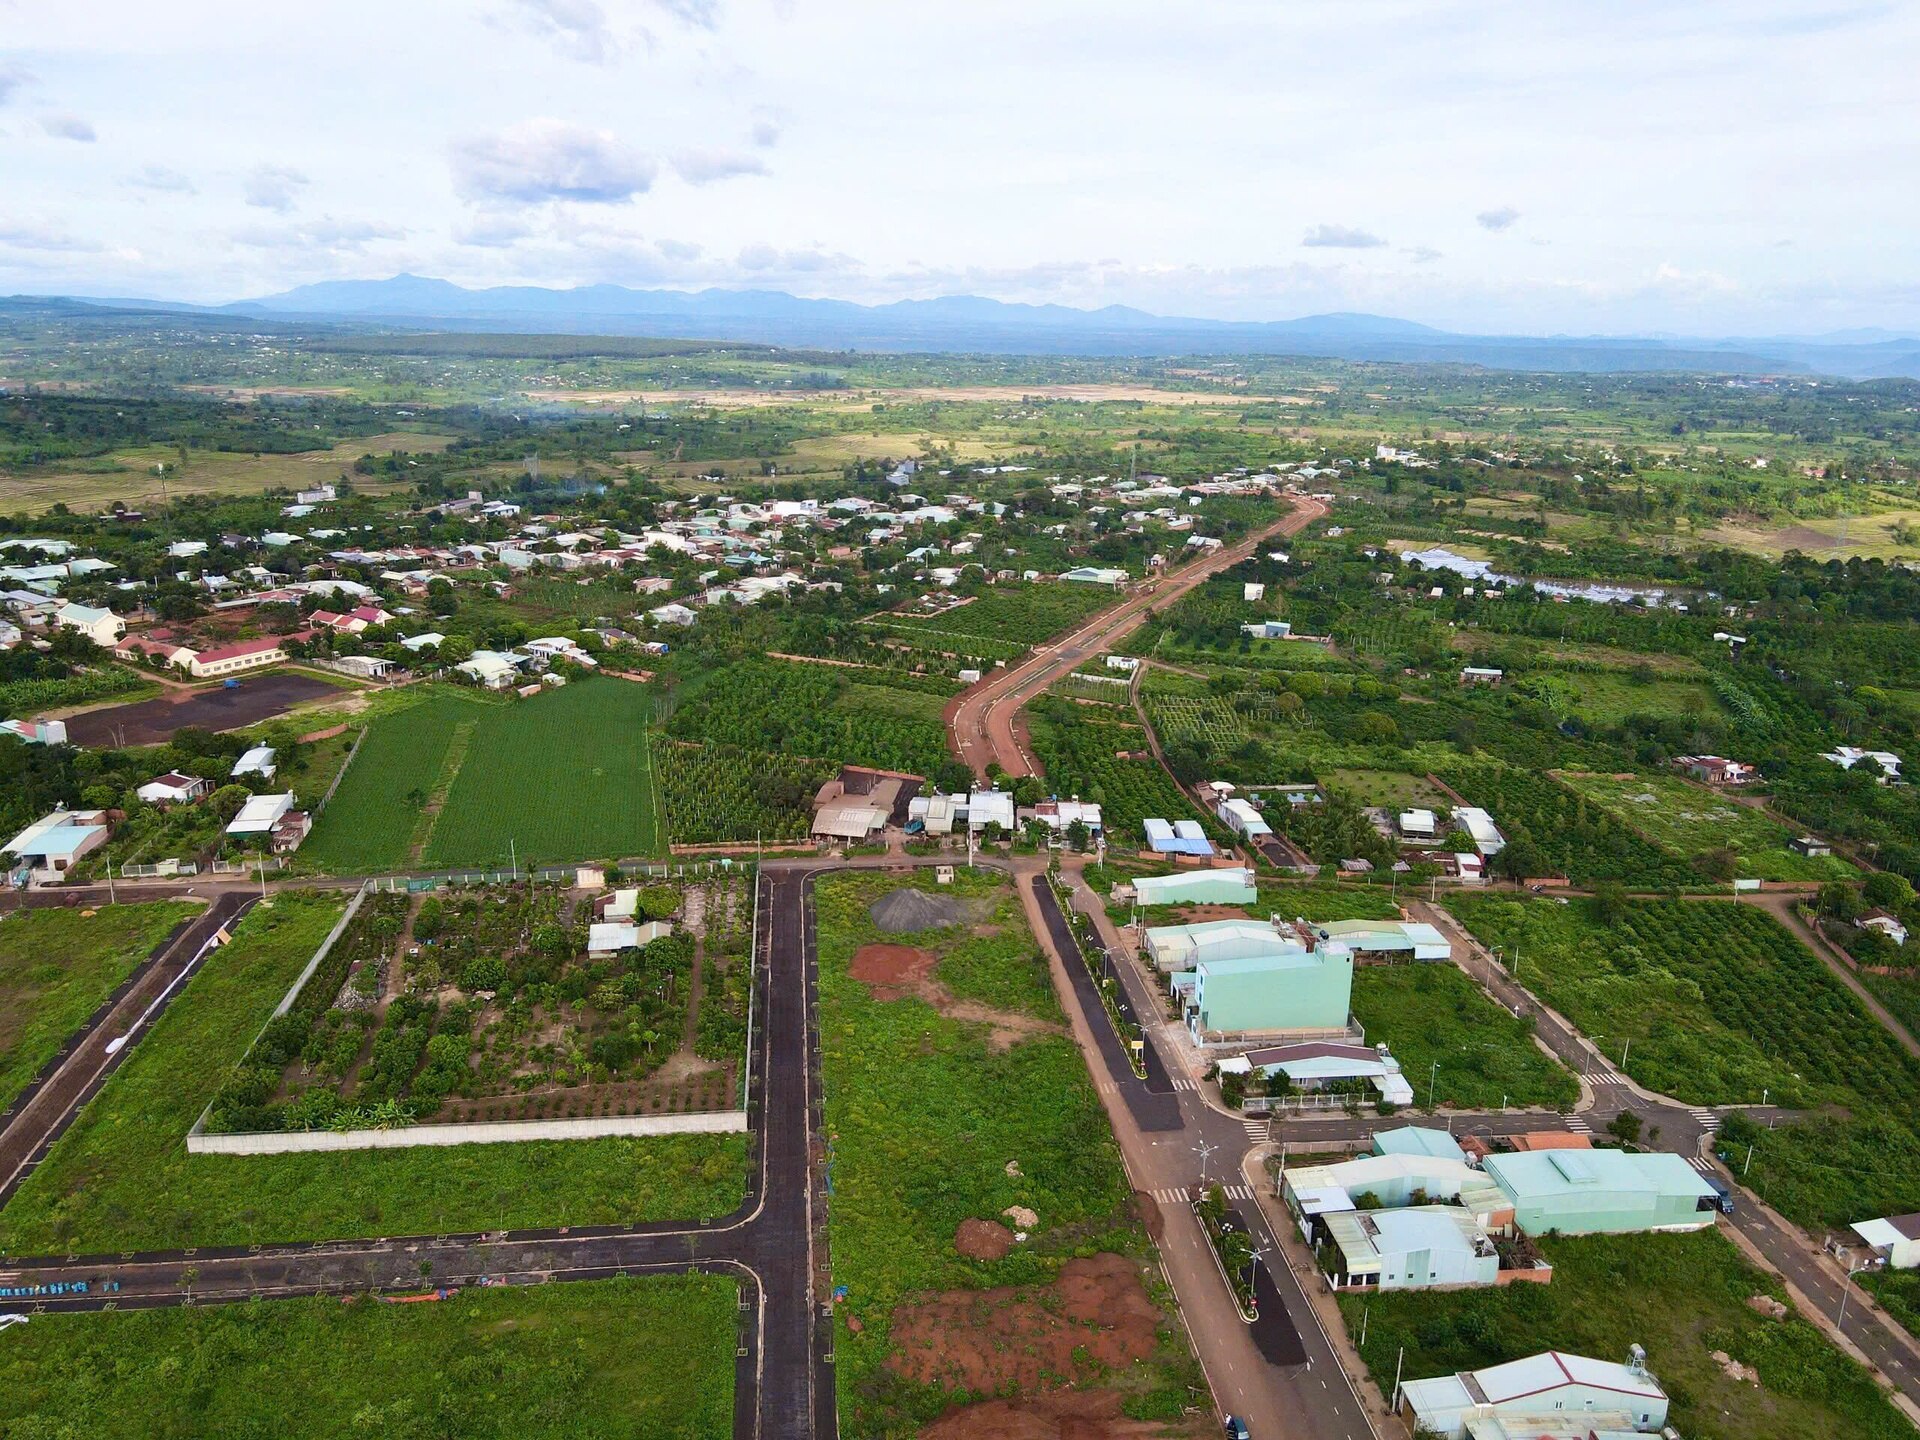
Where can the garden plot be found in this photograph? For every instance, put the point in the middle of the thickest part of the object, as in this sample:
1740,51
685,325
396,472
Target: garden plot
489,1004
1696,822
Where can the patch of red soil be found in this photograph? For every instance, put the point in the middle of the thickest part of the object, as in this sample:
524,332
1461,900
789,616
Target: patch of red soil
1192,914
1095,1316
891,968
983,1240
1059,1415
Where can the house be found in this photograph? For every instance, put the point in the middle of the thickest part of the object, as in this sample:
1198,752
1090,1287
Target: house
1895,1239
1574,1395
1716,770
1197,887
1419,824
1481,675
933,813
988,807
491,669
1314,1065
1174,948
1882,923
1240,817
431,640
36,732
1603,1192
1811,846
672,613
1487,839
1267,629
1060,816
102,627
1094,575
261,814
241,655
173,788
48,848
366,667
1391,1182
1183,837
1416,1248
1848,756
288,831
1252,590
605,937
257,761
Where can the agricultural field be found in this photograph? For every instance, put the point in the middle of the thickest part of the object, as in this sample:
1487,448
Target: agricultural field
481,1004
953,1093
58,966
645,1358
1434,1015
457,780
1564,833
1900,993
49,693
1393,789
1692,822
1720,1003
815,711
1022,614
1606,697
120,1178
715,793
1081,756
1681,1297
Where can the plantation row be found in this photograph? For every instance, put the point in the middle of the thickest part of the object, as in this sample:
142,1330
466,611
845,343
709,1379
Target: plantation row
1023,614
1080,755
714,793
1559,832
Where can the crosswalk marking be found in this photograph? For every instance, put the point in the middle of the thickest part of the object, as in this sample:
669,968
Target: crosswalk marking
1702,1166
1182,1197
1605,1077
1578,1125
1181,1083
1705,1118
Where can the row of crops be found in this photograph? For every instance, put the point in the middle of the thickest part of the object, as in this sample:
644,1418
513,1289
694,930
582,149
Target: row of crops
1023,614
715,793
1081,755
776,707
1564,832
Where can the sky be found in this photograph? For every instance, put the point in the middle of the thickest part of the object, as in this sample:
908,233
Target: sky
1490,166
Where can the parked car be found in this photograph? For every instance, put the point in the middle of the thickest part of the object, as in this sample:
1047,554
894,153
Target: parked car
1237,1429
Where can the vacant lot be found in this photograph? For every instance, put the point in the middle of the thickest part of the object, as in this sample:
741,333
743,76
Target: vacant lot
633,1358
1680,1296
121,1177
1453,1043
1690,821
937,1117
58,966
152,722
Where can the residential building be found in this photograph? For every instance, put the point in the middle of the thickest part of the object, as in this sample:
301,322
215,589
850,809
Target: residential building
1848,756
1182,837
933,813
261,814
366,667
673,613
1233,886
1412,939
1603,1192
1175,948
1416,1248
257,761
173,788
1273,994
1268,629
1315,1066
1716,769
1094,575
1243,819
102,627
988,807
1061,816
431,640
1586,1396
1481,675
1811,846
1391,1182
1419,824
605,937
1487,839
48,848
1895,1239
1882,923
36,732
491,669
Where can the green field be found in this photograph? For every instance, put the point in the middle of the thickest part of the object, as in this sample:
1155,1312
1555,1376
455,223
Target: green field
1603,697
57,967
456,780
121,1177
1435,1014
636,1357
924,1117
563,776
1680,1296
1022,614
1691,821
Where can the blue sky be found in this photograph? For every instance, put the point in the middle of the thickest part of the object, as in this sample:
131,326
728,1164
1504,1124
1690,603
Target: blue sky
1549,166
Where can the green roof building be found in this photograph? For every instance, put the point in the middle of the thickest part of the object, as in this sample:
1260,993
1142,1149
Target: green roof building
1602,1192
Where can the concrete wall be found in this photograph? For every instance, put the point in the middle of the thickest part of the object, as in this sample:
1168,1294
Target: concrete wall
712,1122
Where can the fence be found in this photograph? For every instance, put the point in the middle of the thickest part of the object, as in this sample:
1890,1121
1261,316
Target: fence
567,873
246,867
341,773
488,1132
159,870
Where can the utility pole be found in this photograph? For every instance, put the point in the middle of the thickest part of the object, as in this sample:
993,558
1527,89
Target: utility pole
513,859
1433,1082
1623,1052
1846,1291
1205,1152
1395,1405
111,900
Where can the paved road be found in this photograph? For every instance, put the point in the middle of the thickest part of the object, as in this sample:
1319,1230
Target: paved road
980,720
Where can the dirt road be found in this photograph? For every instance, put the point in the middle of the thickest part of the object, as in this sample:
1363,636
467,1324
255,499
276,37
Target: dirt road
980,720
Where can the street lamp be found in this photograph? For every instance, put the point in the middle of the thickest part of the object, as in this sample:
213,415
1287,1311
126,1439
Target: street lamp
1846,1289
1433,1082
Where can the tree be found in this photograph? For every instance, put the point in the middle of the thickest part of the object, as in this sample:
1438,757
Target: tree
1625,1127
1887,890
1610,902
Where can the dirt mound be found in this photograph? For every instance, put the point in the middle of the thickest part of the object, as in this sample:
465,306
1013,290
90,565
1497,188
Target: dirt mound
1095,1317
1148,1209
1059,1415
909,911
983,1240
892,967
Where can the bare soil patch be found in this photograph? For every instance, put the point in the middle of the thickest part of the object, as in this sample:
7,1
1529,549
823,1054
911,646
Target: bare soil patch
1056,1415
1190,914
983,1240
899,972
1096,1316
153,722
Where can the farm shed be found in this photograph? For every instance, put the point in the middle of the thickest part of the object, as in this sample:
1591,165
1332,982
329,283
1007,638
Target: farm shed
1546,1390
1271,994
1411,1249
1185,837
1895,1239
1413,939
261,814
1603,1192
1198,887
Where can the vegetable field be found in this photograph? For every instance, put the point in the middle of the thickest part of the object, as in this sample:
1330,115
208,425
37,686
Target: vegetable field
1023,614
1453,1043
1690,821
816,711
1718,1001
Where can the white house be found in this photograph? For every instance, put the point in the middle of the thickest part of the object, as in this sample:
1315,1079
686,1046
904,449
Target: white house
1419,824
260,814
1487,838
1883,923
1895,1239
49,846
1572,1393
1268,629
672,613
102,627
493,669
257,761
173,788
1848,756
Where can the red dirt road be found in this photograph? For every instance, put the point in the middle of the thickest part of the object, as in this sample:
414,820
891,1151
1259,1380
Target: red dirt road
981,720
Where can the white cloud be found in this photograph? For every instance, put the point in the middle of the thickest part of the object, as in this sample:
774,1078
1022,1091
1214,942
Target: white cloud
1422,254
579,28
702,167
320,233
20,234
1499,219
273,187
12,78
1341,237
162,178
492,230
766,132
65,125
548,159
701,14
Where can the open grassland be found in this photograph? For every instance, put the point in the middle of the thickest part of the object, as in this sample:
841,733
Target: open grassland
121,1177
565,775
932,1122
1435,1016
633,1358
1719,1002
1691,821
1680,1296
57,967
1606,697
372,820
128,475
1391,788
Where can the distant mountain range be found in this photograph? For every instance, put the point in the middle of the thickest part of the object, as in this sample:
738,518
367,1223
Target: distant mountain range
973,323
